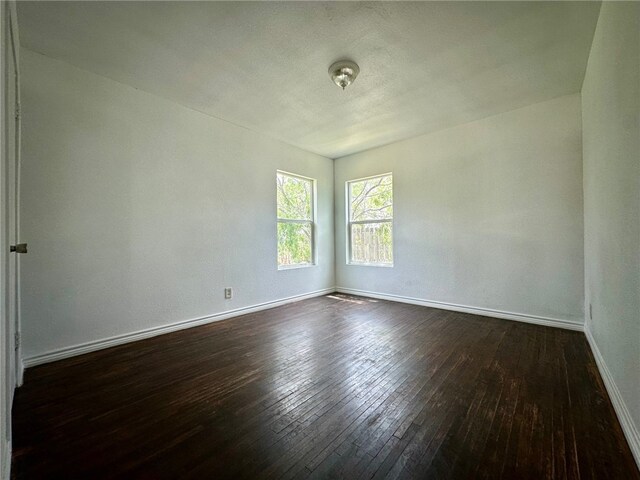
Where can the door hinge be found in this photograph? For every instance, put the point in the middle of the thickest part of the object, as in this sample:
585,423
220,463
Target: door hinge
17,340
18,112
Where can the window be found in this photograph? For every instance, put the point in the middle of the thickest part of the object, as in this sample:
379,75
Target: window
296,215
370,228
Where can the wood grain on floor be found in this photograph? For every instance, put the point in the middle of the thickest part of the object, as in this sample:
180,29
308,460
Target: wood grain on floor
332,387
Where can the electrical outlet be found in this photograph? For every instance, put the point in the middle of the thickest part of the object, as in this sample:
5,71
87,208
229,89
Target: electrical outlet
590,312
228,293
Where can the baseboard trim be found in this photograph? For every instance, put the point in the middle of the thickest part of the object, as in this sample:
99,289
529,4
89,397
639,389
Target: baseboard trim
624,417
6,460
19,373
486,312
88,347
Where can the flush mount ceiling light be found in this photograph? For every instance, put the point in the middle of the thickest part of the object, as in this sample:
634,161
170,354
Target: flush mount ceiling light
344,72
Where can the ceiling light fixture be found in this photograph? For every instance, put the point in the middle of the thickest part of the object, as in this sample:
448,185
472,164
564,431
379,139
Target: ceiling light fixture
344,72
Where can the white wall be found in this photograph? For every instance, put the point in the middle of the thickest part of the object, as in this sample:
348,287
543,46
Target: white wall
487,214
138,212
611,109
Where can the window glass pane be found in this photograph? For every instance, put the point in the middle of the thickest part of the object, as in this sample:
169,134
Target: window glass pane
294,197
294,243
372,242
371,199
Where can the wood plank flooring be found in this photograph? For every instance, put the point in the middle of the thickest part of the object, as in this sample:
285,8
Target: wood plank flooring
332,387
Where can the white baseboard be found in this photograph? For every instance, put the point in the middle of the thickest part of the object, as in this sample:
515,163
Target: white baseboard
486,312
152,332
629,428
19,373
6,460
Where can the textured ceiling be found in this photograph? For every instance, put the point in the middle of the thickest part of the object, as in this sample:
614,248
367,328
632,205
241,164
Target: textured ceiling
263,65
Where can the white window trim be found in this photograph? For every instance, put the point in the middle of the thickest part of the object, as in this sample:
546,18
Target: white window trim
312,223
364,222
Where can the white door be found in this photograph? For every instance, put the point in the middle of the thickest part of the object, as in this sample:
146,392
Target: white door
9,224
13,190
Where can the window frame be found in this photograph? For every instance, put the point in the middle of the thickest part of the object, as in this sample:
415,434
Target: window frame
312,222
365,222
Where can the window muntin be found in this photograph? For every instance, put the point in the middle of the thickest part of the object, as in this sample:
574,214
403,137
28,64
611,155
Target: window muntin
295,218
370,221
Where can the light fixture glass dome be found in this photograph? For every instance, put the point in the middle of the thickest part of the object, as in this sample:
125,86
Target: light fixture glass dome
344,72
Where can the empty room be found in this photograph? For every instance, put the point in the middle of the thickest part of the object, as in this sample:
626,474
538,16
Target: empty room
320,240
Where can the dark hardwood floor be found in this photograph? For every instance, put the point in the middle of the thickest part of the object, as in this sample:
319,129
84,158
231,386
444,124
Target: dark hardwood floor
332,387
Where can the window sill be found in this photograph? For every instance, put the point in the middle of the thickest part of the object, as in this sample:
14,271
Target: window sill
385,265
295,267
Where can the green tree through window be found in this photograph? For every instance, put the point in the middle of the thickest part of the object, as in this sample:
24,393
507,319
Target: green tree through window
295,220
371,220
